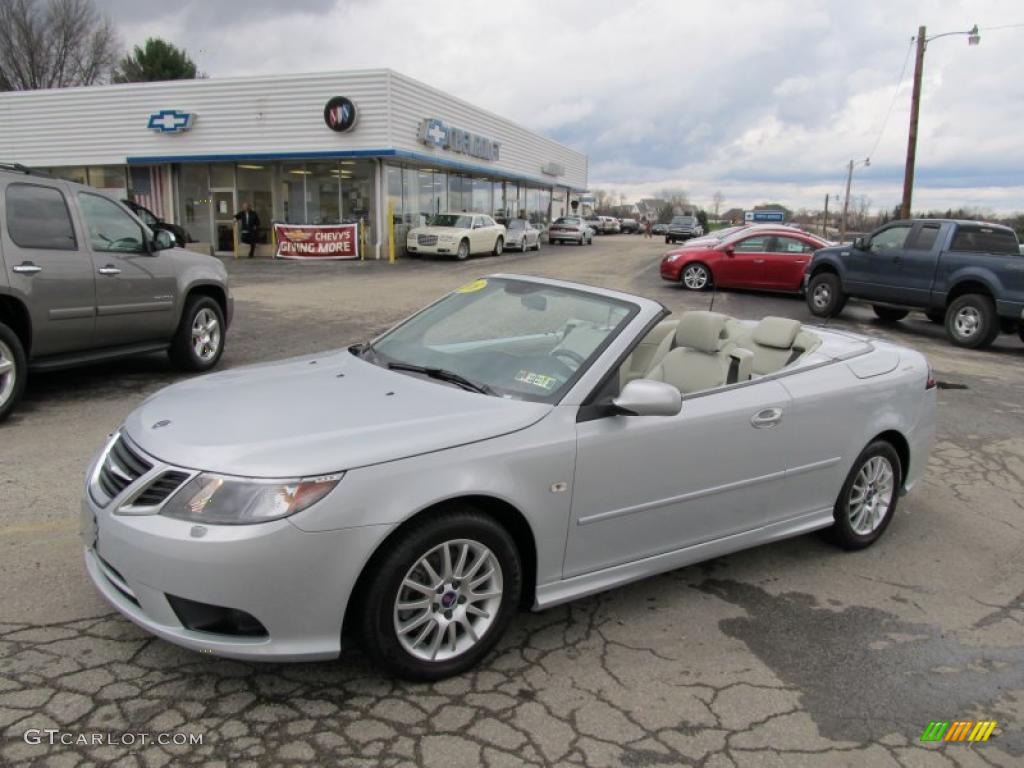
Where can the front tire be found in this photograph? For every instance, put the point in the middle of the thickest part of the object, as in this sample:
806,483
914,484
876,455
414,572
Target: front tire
499,246
889,314
199,342
971,321
867,501
522,246
462,253
13,370
695,277
825,297
441,595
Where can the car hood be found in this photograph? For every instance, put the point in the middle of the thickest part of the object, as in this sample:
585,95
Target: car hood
440,231
315,415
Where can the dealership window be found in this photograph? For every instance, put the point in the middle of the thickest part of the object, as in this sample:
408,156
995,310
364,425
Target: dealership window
293,192
460,193
79,175
323,193
254,187
194,188
482,196
222,175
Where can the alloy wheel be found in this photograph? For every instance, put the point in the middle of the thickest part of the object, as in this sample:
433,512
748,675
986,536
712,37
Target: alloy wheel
695,277
205,335
871,495
448,600
8,373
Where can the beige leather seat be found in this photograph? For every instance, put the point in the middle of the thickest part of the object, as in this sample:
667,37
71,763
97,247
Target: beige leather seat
775,343
649,352
699,360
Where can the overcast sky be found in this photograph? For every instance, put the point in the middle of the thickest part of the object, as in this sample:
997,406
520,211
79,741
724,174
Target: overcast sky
762,100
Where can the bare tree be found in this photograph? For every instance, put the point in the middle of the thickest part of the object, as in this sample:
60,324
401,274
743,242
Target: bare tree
717,199
54,44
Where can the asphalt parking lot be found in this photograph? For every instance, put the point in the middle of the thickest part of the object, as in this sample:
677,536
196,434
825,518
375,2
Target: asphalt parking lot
791,654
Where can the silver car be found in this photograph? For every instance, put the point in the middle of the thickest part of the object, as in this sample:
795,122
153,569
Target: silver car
521,234
520,442
570,229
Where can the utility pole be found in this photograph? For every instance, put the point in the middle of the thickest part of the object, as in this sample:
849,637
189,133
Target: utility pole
846,202
824,223
915,108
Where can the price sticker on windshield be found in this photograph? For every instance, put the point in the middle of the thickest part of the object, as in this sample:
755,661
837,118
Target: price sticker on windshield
476,285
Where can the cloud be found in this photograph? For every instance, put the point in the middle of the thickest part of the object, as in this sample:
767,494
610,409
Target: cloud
763,98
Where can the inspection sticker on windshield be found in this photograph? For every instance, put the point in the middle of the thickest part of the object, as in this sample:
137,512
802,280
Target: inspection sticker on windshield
536,379
476,285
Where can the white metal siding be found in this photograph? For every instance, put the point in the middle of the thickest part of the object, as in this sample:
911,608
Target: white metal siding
106,125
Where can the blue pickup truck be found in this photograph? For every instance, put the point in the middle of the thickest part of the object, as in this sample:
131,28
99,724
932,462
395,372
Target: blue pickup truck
967,275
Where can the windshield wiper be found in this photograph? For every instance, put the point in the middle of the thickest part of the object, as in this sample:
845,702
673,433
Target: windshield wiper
442,375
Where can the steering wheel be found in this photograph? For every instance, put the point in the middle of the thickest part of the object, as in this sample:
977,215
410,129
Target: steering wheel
570,355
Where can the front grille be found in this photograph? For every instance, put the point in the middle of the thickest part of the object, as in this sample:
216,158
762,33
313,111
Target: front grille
121,467
426,239
159,490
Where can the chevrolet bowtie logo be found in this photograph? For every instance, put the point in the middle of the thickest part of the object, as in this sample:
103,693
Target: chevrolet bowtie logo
170,121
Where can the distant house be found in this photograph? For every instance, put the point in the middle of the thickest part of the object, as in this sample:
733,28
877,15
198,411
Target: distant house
651,207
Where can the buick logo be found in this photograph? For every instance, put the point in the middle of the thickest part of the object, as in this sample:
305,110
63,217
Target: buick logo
340,114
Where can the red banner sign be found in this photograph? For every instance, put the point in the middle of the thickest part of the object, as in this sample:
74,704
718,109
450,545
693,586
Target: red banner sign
317,241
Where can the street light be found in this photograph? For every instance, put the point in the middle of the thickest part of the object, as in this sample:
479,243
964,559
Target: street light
973,38
846,200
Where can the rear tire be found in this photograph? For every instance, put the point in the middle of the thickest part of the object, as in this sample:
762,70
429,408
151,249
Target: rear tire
408,655
825,297
13,370
868,499
889,314
199,341
971,321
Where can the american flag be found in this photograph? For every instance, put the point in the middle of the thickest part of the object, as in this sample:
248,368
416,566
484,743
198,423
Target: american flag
148,188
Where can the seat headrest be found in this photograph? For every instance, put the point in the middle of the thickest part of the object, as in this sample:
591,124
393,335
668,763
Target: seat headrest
777,332
701,330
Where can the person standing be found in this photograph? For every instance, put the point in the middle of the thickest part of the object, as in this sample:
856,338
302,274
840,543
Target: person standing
248,226
647,228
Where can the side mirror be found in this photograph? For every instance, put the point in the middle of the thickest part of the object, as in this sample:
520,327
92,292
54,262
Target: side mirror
645,397
163,240
729,250
860,243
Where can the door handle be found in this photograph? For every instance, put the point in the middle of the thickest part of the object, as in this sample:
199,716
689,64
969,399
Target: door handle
27,268
759,261
109,270
766,418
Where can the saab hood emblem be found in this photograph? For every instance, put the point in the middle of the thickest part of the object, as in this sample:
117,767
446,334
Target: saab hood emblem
161,424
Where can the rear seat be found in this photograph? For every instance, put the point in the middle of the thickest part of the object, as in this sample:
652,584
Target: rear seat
775,343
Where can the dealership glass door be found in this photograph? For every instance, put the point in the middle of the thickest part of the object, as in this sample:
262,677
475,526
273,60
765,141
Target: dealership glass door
224,207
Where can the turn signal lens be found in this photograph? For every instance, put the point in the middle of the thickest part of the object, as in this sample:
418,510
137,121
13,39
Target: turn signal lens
931,382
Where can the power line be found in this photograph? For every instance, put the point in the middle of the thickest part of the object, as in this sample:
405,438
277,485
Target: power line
892,101
1004,26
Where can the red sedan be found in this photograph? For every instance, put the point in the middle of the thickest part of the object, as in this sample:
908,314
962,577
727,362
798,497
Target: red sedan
770,260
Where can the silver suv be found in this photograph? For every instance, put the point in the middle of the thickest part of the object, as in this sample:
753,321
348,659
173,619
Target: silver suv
83,280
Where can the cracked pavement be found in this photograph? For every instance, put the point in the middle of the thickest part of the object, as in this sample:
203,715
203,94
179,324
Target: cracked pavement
791,654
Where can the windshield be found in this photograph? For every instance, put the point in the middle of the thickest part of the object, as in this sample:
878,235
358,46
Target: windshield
567,220
523,340
684,220
451,220
721,234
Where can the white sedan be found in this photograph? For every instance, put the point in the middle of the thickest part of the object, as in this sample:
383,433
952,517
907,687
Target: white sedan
460,234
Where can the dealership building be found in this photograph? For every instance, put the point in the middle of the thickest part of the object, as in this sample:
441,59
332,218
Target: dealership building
324,148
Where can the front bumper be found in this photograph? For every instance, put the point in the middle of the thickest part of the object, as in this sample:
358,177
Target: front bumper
670,271
295,583
438,248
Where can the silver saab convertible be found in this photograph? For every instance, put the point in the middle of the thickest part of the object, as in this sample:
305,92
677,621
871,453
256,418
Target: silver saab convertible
519,442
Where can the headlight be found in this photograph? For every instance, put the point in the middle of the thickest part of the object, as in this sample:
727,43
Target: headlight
224,500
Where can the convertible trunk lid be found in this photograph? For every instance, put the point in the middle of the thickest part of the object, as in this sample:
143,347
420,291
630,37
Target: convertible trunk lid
315,415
